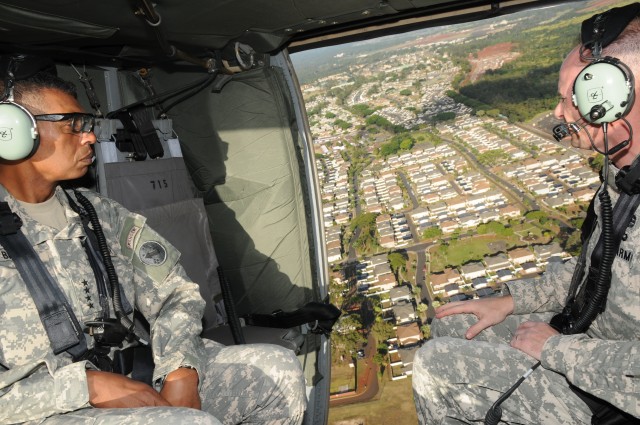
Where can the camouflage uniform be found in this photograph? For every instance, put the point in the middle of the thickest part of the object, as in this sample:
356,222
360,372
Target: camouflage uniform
457,381
250,383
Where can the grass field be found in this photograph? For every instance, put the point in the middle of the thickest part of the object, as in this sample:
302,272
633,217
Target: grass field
342,376
464,250
459,252
393,405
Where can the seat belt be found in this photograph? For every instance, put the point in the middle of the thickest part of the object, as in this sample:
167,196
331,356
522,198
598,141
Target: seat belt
320,317
57,317
623,213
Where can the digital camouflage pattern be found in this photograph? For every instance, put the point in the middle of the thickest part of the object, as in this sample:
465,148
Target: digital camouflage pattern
456,378
261,383
253,384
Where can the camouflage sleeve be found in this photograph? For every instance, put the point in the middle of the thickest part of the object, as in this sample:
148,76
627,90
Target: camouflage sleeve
176,327
37,390
543,294
164,294
609,370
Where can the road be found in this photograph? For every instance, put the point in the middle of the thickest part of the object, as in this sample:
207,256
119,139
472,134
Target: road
352,255
517,196
367,386
420,250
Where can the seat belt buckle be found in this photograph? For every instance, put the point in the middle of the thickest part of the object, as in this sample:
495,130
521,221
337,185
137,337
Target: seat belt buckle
107,332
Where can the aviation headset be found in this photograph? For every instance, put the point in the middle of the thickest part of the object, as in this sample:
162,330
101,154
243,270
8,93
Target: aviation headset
604,90
19,137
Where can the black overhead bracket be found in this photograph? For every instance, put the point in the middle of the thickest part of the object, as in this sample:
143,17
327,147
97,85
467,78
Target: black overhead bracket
146,10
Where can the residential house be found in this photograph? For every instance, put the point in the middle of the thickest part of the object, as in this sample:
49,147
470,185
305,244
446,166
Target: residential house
400,293
497,262
509,211
504,275
388,241
408,334
334,254
458,297
485,292
472,270
521,255
530,267
544,252
448,226
451,289
479,282
385,282
404,312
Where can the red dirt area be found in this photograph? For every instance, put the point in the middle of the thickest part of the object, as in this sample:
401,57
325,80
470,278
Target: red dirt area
491,57
495,50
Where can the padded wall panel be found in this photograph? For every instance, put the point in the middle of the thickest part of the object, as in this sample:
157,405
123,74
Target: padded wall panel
262,237
248,170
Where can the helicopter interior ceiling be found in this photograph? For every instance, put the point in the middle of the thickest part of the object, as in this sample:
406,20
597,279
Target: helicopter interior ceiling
138,32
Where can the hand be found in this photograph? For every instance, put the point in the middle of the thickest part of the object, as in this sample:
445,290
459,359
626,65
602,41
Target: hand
108,390
489,311
181,388
530,338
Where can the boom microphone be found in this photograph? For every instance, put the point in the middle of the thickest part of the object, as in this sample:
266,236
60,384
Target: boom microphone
561,131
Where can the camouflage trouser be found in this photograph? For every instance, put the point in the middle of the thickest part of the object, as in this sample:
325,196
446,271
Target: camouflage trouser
242,384
456,380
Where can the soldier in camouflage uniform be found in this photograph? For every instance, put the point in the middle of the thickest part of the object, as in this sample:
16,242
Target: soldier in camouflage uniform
195,381
481,347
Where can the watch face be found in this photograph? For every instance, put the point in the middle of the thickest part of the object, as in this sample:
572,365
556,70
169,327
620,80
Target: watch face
152,253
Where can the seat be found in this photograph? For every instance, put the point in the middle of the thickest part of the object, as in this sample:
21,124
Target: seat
160,190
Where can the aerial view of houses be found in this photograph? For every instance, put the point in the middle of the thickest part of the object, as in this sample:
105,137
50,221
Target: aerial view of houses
427,200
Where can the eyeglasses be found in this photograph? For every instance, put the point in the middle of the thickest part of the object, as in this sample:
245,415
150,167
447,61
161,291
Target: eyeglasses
80,122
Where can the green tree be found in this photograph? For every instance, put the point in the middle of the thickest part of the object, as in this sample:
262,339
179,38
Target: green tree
362,110
397,261
541,216
597,162
382,330
443,116
426,331
405,92
494,227
379,359
367,224
432,232
493,157
407,144
342,124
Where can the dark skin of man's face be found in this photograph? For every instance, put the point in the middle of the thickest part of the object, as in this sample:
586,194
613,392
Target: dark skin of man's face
62,154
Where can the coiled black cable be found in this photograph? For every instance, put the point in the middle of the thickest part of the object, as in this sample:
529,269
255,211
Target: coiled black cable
112,276
603,282
494,414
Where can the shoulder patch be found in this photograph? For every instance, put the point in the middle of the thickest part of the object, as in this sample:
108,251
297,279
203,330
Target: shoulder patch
131,237
152,253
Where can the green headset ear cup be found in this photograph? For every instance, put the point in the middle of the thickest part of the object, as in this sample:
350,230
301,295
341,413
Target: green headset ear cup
18,132
605,86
